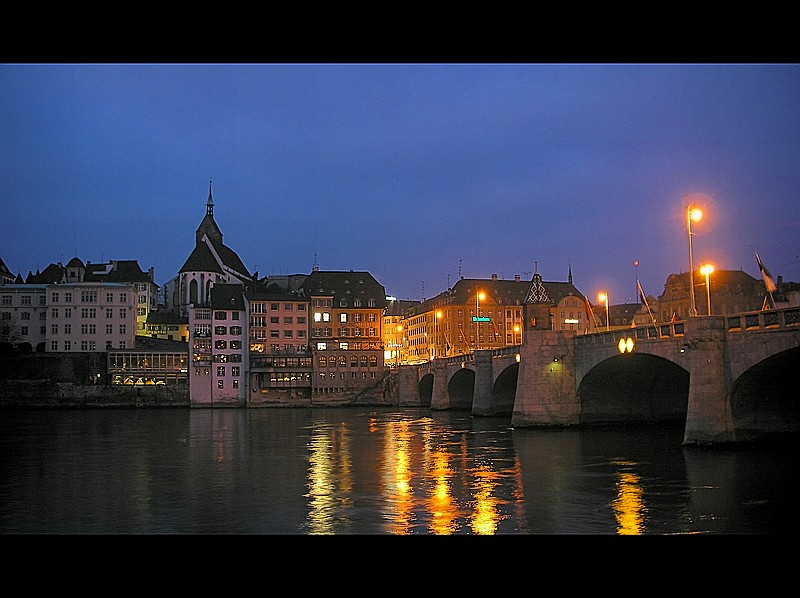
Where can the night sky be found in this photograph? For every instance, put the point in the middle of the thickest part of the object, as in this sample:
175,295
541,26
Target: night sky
416,173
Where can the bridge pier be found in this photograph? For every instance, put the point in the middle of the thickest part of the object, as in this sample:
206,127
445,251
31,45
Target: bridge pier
484,379
546,388
407,385
709,419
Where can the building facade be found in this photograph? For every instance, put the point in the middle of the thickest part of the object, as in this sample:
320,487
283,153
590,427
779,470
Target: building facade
218,342
480,314
346,339
280,358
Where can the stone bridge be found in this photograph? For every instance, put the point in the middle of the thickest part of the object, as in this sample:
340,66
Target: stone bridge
729,378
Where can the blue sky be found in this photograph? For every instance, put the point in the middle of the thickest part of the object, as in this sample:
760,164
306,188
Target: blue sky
417,173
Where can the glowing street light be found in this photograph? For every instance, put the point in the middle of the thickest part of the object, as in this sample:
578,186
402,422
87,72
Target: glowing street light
603,298
436,319
706,270
399,343
478,296
693,213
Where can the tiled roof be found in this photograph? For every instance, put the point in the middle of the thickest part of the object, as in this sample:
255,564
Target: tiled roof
227,296
125,271
350,284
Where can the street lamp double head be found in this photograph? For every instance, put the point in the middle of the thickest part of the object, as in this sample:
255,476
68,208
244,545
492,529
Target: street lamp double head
693,214
603,298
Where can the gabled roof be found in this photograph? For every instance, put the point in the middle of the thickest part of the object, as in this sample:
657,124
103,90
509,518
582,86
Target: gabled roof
166,316
117,271
349,284
201,260
54,273
227,297
510,292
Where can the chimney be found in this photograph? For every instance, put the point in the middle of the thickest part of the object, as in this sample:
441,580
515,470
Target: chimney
516,277
494,276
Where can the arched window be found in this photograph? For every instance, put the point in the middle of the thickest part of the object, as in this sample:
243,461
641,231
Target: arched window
193,292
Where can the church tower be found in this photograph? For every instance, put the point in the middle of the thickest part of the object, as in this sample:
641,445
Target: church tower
537,304
211,262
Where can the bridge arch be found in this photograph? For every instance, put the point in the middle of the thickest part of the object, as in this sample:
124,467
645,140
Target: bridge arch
764,397
504,390
425,387
634,387
461,389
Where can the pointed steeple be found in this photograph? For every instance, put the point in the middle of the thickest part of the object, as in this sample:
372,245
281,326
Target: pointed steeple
569,279
209,226
210,202
536,292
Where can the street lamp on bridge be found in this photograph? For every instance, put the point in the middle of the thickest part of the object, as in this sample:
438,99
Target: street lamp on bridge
603,298
706,270
693,213
478,296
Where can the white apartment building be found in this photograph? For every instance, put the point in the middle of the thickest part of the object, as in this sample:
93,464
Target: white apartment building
23,315
90,316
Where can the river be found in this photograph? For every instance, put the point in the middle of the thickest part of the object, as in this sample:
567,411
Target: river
321,471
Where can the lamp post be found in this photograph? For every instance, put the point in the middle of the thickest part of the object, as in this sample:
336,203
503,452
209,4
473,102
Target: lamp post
436,332
692,213
706,270
603,298
399,343
478,296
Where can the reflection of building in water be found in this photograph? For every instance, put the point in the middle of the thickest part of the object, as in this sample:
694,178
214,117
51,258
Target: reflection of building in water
629,505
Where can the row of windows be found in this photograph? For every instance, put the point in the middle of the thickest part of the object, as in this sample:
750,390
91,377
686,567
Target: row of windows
88,345
325,316
276,348
327,332
147,362
262,320
23,315
341,361
260,335
5,331
260,308
24,300
223,315
223,344
89,313
342,303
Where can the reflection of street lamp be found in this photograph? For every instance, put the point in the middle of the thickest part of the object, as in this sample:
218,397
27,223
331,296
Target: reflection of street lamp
692,213
706,270
603,298
478,296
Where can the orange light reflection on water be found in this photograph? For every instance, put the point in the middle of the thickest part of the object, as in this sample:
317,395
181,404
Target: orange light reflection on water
629,506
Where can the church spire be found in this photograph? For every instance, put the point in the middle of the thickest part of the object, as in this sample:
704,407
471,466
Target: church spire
210,202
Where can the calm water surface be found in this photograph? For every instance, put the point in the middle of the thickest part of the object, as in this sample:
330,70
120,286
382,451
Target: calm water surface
375,471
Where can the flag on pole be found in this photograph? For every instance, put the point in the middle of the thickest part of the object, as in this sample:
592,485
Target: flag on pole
641,293
589,312
768,282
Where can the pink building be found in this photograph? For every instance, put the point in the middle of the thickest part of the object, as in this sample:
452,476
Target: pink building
218,344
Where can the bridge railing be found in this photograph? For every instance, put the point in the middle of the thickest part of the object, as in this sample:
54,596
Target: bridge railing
612,337
788,317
